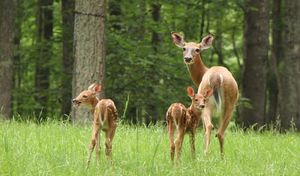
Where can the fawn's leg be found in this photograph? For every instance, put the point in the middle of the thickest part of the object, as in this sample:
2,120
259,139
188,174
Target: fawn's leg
94,140
108,143
207,126
178,142
171,138
192,142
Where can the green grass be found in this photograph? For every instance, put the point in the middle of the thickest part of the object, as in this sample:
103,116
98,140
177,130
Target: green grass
61,149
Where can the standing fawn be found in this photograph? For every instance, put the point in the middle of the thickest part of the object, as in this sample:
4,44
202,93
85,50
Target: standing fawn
105,119
184,120
219,80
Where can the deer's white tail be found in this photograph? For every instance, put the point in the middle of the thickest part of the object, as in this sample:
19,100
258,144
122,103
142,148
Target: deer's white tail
218,92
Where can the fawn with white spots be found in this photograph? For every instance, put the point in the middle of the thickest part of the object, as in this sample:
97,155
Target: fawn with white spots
105,119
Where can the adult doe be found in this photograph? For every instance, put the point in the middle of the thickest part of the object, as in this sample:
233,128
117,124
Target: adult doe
219,80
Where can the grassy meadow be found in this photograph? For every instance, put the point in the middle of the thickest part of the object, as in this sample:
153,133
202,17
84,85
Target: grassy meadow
56,148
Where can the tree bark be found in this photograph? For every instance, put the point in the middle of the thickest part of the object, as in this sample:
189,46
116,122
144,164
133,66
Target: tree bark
45,33
89,48
255,58
275,56
156,39
7,17
68,7
289,67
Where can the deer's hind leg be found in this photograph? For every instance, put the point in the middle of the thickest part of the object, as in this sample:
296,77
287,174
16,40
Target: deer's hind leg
171,138
224,121
110,133
94,141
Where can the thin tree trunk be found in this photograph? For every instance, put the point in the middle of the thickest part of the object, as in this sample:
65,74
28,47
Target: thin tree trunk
256,34
219,33
276,55
156,39
202,22
45,33
7,17
89,48
289,69
17,76
68,7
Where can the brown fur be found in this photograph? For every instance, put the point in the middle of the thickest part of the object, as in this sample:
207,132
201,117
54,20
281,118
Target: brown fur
183,120
216,78
198,70
196,66
105,119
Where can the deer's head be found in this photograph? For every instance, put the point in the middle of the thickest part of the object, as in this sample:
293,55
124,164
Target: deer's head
199,100
87,97
191,50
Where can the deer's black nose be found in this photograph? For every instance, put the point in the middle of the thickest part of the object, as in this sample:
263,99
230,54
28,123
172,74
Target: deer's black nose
187,59
201,106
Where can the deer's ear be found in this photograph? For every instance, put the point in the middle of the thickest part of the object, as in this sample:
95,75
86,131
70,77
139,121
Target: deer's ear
178,40
209,93
190,91
207,42
95,87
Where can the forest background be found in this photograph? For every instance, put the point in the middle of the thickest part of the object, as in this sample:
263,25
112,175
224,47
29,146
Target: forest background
50,50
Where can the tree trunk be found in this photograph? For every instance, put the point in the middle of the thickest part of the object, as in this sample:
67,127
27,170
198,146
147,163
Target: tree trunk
276,55
156,39
202,21
7,17
289,68
89,49
17,73
45,33
68,7
255,58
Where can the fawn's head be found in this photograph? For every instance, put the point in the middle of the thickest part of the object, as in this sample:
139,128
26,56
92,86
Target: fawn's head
191,50
87,97
199,100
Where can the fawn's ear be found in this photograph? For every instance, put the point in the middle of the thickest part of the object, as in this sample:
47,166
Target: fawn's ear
190,91
207,42
95,87
209,93
178,40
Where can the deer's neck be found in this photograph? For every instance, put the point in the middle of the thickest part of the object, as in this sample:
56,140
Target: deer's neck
94,102
197,70
196,114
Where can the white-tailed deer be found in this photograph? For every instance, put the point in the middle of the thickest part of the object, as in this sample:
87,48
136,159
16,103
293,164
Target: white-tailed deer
219,80
183,120
105,119
191,55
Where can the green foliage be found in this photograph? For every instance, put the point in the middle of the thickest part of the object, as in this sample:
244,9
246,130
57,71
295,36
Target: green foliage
61,149
153,75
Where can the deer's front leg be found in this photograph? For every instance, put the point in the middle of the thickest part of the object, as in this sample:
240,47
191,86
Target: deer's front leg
207,126
192,142
94,141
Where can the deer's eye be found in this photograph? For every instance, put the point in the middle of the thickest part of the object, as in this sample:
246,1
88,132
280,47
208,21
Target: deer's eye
84,96
183,49
196,99
197,50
